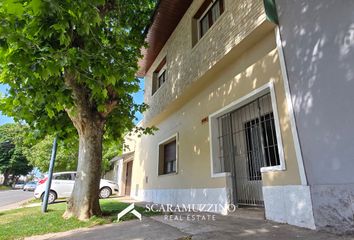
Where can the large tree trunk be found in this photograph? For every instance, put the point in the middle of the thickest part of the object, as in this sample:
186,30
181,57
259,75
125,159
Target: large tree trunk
84,201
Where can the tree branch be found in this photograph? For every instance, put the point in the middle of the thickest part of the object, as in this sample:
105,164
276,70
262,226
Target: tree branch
107,7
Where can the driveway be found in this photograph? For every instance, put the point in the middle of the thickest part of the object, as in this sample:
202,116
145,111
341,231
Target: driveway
13,198
178,227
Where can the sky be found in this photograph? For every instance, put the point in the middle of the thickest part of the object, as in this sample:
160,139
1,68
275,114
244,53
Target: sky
138,98
4,119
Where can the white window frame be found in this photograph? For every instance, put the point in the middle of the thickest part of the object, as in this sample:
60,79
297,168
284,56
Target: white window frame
202,16
162,70
214,130
174,136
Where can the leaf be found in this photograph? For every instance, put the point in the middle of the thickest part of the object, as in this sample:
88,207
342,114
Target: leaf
64,39
13,7
71,13
35,6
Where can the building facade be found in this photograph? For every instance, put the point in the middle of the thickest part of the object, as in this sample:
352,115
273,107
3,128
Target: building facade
318,43
221,93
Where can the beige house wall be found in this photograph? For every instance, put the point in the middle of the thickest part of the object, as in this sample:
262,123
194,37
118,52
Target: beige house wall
235,76
187,63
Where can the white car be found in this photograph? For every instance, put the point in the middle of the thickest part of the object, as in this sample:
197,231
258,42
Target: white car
63,184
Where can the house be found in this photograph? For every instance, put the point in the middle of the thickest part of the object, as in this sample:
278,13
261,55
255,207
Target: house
220,80
122,165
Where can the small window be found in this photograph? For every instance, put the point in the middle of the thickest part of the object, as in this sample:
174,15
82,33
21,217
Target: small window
168,157
66,176
207,15
159,76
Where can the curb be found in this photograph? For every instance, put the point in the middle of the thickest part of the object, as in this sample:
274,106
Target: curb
14,205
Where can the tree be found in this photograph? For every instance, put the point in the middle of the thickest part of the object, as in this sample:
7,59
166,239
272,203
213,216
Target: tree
71,66
39,154
39,150
12,160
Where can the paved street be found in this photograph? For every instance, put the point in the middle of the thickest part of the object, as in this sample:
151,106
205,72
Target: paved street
12,197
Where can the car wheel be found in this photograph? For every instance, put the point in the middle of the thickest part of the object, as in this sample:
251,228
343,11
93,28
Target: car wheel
51,198
105,192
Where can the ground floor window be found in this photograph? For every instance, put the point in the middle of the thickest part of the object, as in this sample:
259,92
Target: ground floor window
248,134
261,144
168,156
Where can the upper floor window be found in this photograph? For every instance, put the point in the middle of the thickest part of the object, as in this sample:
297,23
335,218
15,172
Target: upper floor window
159,76
207,15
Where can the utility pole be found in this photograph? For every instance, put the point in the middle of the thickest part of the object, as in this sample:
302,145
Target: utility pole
50,175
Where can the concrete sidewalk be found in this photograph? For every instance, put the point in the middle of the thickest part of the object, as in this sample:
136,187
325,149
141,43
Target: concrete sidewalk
182,226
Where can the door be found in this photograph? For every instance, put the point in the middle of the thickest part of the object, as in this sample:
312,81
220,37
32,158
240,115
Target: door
128,178
248,142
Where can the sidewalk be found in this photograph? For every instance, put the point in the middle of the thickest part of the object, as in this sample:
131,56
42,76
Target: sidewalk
223,227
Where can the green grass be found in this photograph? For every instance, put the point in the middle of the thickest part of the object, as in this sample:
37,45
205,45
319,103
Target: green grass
24,222
3,188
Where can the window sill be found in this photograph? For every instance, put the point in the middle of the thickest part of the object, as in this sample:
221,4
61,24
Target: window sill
223,174
167,174
272,169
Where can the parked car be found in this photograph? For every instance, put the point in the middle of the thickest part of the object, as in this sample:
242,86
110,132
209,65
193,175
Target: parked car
63,184
19,185
30,186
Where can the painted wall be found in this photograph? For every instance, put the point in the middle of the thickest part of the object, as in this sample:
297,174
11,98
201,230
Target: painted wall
186,63
234,79
318,41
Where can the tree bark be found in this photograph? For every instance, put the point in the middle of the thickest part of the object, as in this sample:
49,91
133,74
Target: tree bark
89,122
6,178
84,201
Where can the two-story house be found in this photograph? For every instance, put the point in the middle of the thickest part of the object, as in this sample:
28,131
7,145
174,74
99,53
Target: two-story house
216,81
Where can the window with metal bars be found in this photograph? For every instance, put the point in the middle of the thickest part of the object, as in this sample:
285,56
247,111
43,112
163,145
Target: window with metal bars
248,134
262,147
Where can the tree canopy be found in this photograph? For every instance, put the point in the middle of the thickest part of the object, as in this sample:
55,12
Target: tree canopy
44,45
12,159
71,66
66,158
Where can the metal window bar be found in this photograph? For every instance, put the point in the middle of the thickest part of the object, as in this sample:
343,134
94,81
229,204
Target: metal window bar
247,142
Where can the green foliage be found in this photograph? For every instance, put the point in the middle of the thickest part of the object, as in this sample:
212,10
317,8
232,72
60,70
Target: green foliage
12,160
14,132
66,159
111,149
51,51
38,150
